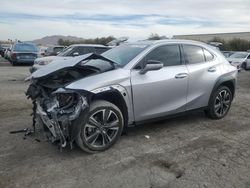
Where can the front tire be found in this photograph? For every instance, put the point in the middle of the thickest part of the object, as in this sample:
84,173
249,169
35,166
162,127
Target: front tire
102,128
220,103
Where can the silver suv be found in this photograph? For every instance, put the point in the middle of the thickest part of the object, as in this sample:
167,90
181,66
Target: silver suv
92,98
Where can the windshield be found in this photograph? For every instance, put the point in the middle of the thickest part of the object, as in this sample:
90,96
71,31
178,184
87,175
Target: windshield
121,55
239,55
66,52
25,47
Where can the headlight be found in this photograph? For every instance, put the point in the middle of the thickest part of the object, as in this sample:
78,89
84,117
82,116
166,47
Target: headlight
70,102
42,63
66,100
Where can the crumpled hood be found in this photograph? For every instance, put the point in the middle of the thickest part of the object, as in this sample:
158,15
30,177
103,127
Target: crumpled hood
90,83
238,60
58,64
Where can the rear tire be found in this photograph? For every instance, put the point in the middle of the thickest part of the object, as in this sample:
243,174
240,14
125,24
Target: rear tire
219,103
244,66
13,63
102,128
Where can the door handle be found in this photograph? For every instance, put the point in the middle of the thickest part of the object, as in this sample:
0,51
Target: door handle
181,75
212,69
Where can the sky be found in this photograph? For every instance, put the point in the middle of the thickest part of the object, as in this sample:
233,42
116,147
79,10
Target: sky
136,19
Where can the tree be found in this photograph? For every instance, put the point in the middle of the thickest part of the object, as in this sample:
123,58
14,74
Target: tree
155,36
234,44
102,40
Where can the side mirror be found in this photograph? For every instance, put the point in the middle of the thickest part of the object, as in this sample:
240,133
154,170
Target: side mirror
75,54
151,65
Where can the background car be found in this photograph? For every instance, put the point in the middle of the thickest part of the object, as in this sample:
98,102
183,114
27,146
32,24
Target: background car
22,52
227,53
240,60
41,51
3,47
53,50
71,51
7,53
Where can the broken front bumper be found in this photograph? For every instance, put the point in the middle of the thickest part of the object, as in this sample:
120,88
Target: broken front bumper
60,121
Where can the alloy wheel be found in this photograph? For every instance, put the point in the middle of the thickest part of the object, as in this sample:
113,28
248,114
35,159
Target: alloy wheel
222,103
101,128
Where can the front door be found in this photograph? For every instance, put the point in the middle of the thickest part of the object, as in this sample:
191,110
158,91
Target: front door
162,92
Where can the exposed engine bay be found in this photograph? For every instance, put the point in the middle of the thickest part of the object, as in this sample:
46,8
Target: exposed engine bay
58,108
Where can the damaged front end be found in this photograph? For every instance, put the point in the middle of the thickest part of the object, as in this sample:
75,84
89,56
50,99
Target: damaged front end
61,109
58,110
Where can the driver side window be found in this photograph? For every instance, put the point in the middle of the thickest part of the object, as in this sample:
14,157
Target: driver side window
169,55
248,56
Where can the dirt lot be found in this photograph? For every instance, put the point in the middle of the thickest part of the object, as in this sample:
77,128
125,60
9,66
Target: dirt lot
190,151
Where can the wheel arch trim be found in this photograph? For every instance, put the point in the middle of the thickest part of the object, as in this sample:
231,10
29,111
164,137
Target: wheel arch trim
123,93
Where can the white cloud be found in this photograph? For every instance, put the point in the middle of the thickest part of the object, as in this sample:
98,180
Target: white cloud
30,19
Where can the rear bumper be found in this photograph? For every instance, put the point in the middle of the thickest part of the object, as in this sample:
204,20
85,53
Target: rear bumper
24,60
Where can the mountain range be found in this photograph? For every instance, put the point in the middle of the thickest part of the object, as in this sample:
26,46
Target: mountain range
52,40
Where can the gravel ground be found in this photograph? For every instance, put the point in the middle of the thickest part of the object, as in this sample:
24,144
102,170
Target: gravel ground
189,151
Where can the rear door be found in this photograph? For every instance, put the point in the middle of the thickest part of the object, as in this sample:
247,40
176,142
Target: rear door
203,71
162,92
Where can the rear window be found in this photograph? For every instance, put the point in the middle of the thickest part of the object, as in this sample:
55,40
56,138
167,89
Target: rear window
25,47
194,54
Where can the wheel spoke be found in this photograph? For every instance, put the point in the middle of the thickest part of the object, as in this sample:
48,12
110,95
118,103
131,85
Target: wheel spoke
218,99
105,138
93,122
221,111
91,126
226,96
113,125
217,107
106,115
227,103
92,138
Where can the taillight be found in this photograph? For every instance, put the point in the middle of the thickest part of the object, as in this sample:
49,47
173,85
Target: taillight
13,55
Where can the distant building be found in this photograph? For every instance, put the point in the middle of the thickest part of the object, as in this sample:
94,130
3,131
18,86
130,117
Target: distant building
209,37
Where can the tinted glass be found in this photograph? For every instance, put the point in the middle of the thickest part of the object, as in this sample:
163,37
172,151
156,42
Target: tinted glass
58,49
89,50
208,55
194,54
80,50
169,55
239,55
50,49
122,54
67,51
25,47
100,50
